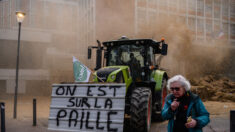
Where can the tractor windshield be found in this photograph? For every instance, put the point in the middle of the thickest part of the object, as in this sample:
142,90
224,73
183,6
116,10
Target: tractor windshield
125,55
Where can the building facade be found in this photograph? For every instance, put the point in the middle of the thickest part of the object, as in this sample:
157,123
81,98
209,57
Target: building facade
208,20
53,31
206,24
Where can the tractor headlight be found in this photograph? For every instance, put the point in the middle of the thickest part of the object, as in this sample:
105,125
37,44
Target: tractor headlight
113,77
142,73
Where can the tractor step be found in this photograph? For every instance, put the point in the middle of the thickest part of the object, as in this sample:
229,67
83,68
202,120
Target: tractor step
157,112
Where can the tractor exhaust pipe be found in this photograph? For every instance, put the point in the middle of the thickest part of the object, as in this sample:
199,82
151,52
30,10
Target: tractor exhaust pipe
98,56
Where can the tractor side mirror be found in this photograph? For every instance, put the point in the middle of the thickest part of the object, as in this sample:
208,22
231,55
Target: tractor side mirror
164,49
89,52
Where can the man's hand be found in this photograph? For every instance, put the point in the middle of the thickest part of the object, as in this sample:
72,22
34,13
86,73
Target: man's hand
174,105
191,124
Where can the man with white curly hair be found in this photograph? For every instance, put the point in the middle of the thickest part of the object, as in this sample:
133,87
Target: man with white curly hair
184,110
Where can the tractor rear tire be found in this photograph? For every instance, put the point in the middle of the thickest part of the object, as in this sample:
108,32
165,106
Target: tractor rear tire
141,110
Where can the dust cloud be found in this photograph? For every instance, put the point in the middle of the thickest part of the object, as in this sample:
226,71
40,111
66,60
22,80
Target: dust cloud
114,18
185,56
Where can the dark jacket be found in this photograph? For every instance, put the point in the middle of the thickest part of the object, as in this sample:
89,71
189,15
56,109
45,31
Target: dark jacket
196,109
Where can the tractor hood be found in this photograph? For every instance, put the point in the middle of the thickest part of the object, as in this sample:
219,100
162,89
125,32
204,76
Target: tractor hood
105,72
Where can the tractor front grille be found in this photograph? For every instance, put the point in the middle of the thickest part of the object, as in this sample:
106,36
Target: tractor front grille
104,73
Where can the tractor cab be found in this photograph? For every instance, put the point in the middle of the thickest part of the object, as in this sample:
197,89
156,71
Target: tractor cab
138,54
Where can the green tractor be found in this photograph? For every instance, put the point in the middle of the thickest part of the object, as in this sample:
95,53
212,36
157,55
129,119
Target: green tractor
134,62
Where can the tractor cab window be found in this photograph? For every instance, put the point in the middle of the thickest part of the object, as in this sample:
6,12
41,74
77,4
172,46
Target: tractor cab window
150,57
125,54
129,55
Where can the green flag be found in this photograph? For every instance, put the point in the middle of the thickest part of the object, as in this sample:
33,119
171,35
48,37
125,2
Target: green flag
80,71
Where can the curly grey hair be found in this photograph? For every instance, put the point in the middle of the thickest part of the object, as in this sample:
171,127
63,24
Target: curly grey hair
182,80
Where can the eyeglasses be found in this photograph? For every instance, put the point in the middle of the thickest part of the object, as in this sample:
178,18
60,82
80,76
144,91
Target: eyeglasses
175,88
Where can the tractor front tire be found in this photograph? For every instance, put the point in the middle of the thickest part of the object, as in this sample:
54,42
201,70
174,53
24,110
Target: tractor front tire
141,110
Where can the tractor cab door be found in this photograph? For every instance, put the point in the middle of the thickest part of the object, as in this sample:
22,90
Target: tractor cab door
129,55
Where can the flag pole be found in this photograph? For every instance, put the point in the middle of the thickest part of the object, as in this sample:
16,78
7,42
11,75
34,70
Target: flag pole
97,76
74,60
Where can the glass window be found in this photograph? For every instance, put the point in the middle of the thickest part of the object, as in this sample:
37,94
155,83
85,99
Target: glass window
1,14
192,23
232,29
232,8
233,43
200,25
216,25
225,7
216,2
217,12
209,26
225,28
217,9
200,5
121,55
208,7
191,5
5,14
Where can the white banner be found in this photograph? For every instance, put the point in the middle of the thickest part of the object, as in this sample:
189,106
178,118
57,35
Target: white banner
87,107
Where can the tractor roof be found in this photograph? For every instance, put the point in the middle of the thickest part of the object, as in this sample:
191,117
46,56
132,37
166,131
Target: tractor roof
127,41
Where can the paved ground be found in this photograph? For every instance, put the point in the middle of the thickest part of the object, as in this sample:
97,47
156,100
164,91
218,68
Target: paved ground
217,124
220,121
